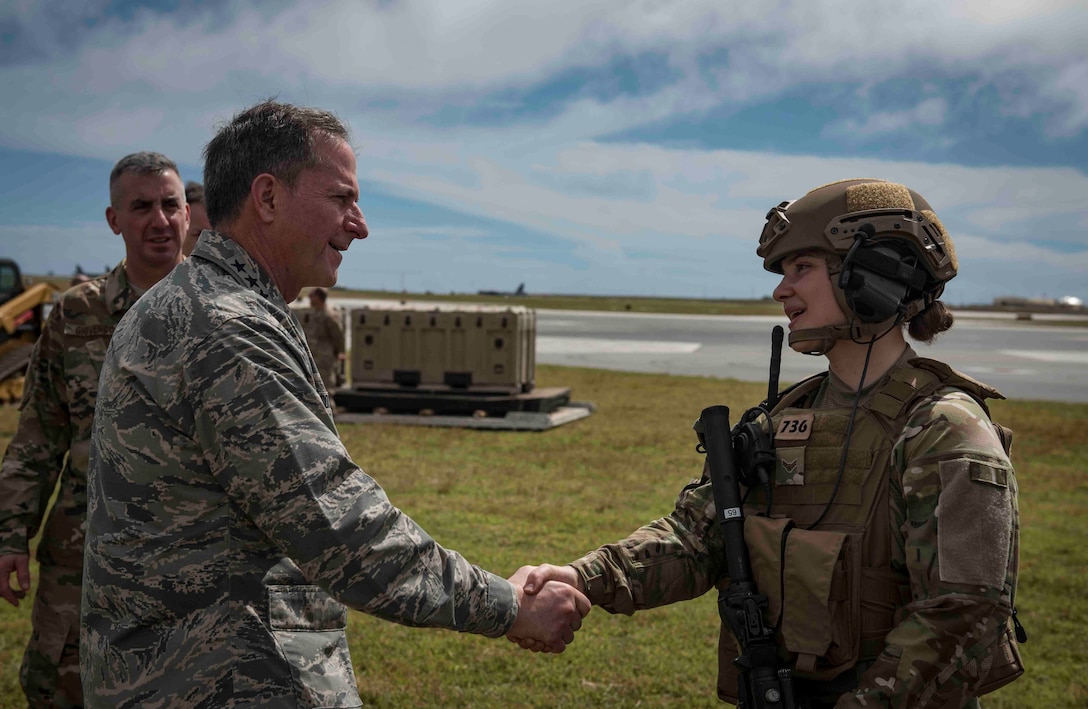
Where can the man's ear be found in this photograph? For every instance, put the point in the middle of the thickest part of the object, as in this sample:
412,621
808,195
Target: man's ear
111,219
265,191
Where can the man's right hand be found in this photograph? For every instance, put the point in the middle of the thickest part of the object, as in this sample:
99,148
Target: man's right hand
549,616
537,576
18,564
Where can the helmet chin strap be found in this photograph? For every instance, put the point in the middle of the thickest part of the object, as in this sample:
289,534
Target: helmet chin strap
826,337
855,331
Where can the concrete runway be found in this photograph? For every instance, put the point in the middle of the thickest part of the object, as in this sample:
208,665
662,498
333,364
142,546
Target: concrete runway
1023,360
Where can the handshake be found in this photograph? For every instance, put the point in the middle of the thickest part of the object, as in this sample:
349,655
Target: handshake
551,606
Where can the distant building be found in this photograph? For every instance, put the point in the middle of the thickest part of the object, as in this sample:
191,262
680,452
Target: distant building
1067,302
1015,301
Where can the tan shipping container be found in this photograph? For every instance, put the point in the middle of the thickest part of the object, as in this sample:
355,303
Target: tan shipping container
467,348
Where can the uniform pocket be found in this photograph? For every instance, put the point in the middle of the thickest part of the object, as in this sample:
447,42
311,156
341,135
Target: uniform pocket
309,626
821,616
812,581
763,536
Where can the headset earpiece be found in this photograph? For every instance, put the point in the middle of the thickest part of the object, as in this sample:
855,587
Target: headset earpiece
879,278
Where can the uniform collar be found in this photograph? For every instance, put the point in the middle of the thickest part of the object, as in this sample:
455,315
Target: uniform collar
835,393
236,261
120,294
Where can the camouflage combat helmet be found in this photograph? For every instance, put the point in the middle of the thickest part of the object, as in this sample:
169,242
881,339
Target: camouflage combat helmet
832,218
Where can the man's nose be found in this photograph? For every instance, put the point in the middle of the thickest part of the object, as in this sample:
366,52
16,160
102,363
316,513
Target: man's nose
159,217
356,225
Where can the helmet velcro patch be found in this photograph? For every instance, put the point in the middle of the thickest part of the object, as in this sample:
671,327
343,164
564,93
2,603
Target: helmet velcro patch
878,195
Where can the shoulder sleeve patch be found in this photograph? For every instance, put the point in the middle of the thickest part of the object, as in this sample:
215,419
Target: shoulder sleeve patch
975,514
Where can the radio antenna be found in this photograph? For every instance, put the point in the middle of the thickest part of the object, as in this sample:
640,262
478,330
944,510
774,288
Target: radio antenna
776,367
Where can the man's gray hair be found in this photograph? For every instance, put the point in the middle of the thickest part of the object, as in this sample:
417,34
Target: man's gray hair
274,138
142,163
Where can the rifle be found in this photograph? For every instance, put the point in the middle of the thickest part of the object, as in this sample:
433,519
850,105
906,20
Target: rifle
765,682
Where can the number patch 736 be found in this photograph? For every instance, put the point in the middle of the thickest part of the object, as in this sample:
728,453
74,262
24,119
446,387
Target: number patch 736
795,427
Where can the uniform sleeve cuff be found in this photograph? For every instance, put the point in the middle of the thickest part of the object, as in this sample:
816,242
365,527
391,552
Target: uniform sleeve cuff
599,588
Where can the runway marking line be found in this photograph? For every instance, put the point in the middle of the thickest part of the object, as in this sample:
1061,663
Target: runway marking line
546,344
1066,357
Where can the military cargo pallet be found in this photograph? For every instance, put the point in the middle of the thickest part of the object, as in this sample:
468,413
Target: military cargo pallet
414,401
512,421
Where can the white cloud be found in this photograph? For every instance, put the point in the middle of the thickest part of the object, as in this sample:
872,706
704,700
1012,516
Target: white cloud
116,128
1025,253
697,193
625,215
1070,87
712,222
431,52
930,112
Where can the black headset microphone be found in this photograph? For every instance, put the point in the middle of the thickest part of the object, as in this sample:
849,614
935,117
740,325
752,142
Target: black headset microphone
878,279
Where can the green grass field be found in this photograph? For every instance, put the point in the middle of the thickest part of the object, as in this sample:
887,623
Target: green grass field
506,499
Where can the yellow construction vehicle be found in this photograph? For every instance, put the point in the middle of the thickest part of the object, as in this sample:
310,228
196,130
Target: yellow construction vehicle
23,308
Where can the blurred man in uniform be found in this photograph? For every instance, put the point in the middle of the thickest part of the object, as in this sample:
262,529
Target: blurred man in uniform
325,336
50,447
198,215
228,529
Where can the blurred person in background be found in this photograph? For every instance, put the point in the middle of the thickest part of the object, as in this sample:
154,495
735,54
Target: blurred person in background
198,215
325,336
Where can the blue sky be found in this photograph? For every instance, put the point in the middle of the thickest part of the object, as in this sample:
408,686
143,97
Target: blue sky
578,146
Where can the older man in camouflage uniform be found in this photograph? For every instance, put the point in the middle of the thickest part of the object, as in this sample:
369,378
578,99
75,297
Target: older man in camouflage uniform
325,336
227,525
50,447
